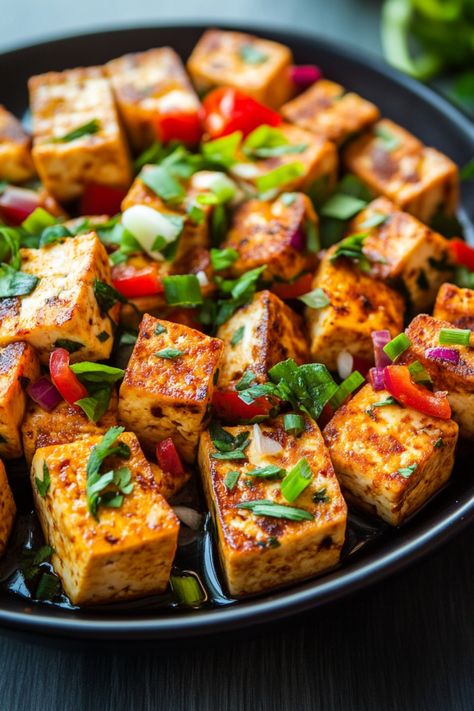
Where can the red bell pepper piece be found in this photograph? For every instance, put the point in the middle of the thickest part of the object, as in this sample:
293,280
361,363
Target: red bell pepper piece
179,126
133,283
227,110
229,406
400,385
168,458
17,203
101,199
63,378
462,253
301,285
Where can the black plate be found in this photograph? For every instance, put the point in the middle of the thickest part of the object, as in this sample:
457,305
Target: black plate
373,550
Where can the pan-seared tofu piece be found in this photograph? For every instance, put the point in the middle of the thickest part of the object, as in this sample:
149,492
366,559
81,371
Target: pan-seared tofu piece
394,163
404,252
18,367
315,160
63,304
358,305
455,305
168,484
129,551
258,67
275,233
168,384
389,459
7,509
62,102
261,552
328,110
456,378
147,85
16,165
258,336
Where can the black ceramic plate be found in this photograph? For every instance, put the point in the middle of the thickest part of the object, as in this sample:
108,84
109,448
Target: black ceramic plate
372,550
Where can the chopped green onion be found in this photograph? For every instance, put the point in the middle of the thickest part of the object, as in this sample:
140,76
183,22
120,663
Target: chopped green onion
234,454
342,207
237,336
293,424
389,140
187,589
419,373
264,507
316,299
406,472
297,479
351,383
87,129
267,472
250,54
159,330
223,258
161,181
246,380
397,346
182,290
352,248
222,150
169,353
455,336
231,479
38,221
374,220
43,484
383,403
280,176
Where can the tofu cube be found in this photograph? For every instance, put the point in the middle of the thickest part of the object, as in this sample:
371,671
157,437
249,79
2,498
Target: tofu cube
7,509
18,367
168,384
456,378
260,553
455,305
389,459
394,163
147,85
263,232
258,67
358,305
404,252
63,304
16,165
129,551
328,110
270,332
62,102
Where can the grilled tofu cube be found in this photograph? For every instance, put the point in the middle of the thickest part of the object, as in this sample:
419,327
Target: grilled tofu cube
274,233
7,509
269,332
63,305
16,165
328,110
168,384
358,305
404,252
18,367
129,551
455,305
147,85
456,378
256,66
389,459
260,552
316,158
394,163
62,102
168,484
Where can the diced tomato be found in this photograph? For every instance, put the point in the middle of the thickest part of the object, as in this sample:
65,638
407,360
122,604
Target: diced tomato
400,385
101,199
230,407
302,285
179,126
17,203
133,283
463,253
168,458
227,110
63,378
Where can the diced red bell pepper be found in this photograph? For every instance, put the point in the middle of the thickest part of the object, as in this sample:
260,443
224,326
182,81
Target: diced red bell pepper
463,253
168,458
400,385
101,199
179,126
301,285
63,378
228,406
16,204
133,283
227,110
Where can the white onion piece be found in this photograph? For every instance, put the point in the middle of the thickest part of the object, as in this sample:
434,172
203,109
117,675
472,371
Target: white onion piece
246,171
345,361
188,516
175,100
264,445
202,278
213,181
146,224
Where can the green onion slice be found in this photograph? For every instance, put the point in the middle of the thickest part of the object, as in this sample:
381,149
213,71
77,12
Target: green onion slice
282,175
351,383
296,480
264,507
182,290
267,472
397,346
187,589
316,299
293,424
231,479
455,336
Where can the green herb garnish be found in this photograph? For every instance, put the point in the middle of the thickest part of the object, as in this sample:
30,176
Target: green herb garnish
43,484
169,353
250,54
107,489
70,346
316,299
231,479
406,472
237,336
264,507
182,290
87,129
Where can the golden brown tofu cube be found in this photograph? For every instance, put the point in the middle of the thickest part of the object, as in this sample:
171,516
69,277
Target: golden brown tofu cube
389,459
7,509
168,384
168,484
358,305
62,102
456,378
63,304
328,110
455,305
394,163
274,233
18,367
261,552
129,550
404,252
147,85
256,66
16,165
267,331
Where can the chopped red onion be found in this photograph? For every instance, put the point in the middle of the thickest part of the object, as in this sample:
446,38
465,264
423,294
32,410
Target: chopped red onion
376,377
380,339
451,355
303,75
298,240
44,393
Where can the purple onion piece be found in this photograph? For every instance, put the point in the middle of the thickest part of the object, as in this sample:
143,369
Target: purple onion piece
44,393
298,240
303,75
450,355
380,339
376,377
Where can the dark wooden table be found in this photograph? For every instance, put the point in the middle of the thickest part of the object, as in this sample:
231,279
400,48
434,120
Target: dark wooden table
405,644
